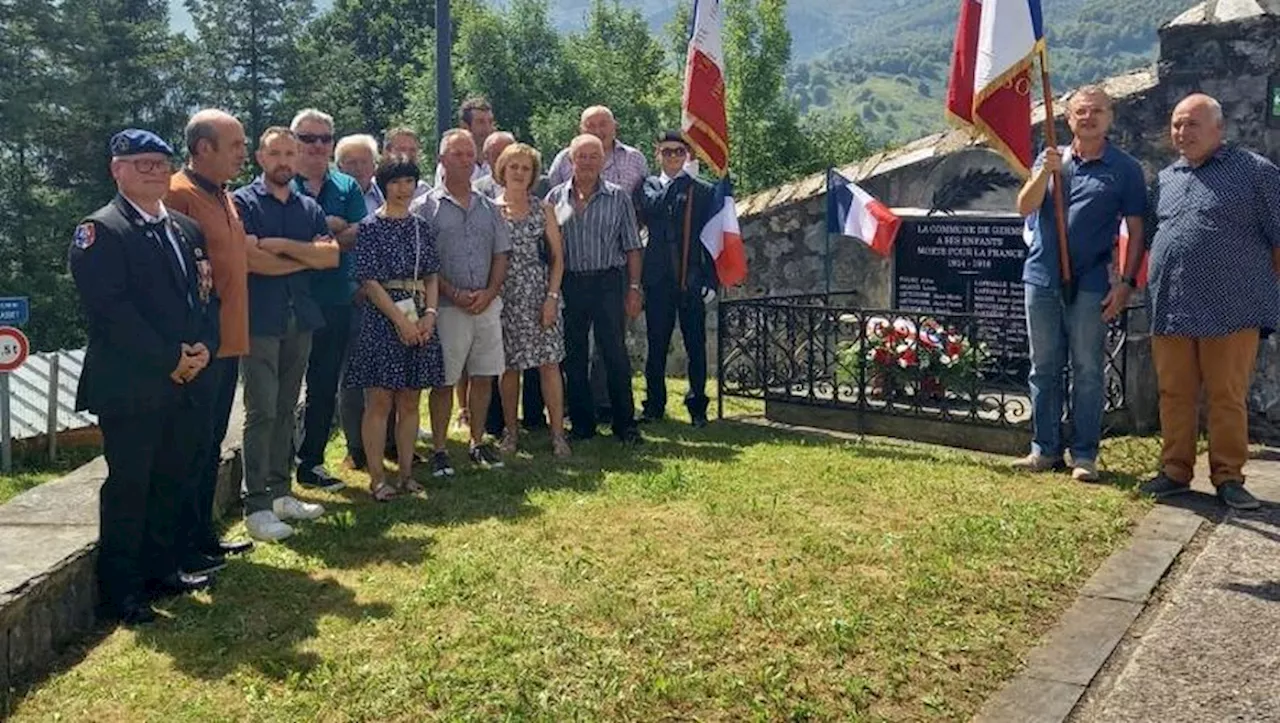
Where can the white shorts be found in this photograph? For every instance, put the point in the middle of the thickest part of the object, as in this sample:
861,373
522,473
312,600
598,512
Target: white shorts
471,342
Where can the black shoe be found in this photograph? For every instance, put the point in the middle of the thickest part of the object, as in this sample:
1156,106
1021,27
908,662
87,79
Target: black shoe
133,611
178,584
228,547
198,564
318,478
698,421
647,417
581,436
629,436
485,456
1234,495
1161,487
440,465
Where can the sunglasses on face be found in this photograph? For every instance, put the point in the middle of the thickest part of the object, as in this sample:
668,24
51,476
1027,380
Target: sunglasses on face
674,152
310,138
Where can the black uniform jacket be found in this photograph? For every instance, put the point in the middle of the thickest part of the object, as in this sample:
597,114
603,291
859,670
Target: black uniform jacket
141,308
662,211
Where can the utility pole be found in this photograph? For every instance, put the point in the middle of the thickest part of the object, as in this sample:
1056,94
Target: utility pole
444,68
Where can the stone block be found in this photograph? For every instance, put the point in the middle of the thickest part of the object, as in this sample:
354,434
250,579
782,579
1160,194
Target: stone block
1076,648
1172,524
1133,572
1030,700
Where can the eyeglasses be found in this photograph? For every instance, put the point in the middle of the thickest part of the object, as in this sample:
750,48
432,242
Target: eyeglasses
148,165
310,138
674,152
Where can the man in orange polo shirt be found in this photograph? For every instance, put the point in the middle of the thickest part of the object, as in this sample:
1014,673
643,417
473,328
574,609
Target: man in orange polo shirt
217,151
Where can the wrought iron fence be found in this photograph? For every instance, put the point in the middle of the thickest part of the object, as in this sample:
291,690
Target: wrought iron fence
815,349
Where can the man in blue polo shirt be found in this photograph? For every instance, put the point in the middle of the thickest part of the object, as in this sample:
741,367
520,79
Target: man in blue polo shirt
343,203
1103,185
286,238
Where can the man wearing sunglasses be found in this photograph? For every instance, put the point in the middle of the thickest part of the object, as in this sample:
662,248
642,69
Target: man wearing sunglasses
679,275
343,203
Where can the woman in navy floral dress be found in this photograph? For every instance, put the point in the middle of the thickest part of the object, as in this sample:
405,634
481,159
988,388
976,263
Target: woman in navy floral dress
397,352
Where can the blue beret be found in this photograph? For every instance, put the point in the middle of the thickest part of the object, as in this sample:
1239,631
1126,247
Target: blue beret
672,136
132,141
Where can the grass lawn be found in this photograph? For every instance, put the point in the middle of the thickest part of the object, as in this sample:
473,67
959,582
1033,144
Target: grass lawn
33,469
729,574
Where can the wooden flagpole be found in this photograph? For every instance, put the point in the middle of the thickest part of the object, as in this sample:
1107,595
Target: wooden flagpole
1059,201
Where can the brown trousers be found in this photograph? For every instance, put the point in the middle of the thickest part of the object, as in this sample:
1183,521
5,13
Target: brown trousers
1222,367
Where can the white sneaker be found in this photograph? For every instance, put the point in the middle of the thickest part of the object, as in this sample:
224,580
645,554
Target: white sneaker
265,526
1086,470
291,508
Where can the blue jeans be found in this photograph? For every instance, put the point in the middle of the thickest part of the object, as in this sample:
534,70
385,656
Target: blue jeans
1057,331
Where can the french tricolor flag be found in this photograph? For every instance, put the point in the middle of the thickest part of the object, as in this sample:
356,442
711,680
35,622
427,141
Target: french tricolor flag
723,238
1122,254
852,211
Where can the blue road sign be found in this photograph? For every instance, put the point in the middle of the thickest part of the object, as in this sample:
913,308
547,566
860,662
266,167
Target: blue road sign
14,310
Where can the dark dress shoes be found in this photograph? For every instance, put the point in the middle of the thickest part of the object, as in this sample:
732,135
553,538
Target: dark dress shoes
134,611
178,584
699,421
228,547
199,563
630,437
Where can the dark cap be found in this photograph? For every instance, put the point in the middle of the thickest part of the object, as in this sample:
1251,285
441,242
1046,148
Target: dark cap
672,136
133,141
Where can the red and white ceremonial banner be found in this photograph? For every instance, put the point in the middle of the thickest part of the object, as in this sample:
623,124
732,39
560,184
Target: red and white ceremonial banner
703,119
990,87
705,126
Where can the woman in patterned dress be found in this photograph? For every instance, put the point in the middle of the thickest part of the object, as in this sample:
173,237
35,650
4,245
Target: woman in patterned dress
532,327
397,353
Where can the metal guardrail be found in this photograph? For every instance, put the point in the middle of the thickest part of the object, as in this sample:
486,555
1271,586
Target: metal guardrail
812,349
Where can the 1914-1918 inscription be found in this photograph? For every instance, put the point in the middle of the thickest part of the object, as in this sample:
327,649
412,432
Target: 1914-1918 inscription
966,265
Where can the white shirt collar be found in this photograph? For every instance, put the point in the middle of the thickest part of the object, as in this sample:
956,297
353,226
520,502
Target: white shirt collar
664,179
164,213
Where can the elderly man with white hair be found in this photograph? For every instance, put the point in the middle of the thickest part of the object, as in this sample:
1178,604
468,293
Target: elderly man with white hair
623,165
1215,256
357,156
601,285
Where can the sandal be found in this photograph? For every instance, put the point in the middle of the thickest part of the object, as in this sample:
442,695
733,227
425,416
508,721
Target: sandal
560,446
410,486
381,491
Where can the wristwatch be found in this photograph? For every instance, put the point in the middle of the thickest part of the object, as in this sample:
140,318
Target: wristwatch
1130,281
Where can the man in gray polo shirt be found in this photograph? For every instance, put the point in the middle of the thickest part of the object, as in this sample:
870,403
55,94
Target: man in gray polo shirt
471,236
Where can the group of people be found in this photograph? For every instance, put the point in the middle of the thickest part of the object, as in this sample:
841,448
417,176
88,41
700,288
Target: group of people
345,265
1211,224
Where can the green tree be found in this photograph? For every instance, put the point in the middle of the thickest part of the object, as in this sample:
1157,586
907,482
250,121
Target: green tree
74,75
356,60
248,52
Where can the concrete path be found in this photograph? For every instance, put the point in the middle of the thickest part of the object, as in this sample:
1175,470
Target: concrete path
1207,648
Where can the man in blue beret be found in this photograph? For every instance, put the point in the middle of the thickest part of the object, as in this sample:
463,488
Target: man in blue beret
146,287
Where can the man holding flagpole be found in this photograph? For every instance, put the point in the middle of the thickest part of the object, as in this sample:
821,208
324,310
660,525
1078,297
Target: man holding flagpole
1102,185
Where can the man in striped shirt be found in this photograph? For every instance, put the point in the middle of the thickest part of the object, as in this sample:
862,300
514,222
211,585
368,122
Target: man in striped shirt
601,285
